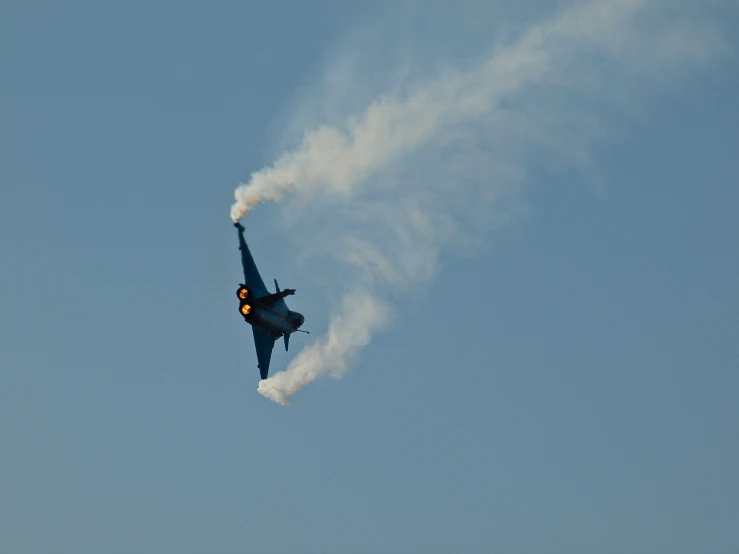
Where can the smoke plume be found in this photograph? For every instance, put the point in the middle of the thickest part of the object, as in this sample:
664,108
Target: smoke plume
351,329
439,159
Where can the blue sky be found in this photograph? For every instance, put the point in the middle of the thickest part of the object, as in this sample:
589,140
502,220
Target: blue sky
559,371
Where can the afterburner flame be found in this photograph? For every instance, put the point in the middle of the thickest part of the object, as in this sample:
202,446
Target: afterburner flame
245,309
243,293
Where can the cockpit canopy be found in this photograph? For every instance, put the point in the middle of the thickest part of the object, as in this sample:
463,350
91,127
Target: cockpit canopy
296,319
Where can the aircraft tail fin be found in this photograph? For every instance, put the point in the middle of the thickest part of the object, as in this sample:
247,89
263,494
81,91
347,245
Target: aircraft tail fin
287,341
277,287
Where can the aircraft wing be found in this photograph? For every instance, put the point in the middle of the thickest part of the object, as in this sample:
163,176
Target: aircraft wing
252,279
264,343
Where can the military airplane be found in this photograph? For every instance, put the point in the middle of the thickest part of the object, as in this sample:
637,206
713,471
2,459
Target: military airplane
266,312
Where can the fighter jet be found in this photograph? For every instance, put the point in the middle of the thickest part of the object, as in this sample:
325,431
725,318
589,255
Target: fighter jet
266,312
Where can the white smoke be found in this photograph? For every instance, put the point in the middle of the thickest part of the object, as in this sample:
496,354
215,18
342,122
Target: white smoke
350,330
414,168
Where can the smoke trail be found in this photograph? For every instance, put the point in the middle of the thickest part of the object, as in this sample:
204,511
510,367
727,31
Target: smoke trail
351,329
413,169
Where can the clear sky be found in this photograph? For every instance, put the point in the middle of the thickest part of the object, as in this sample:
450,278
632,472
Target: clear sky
560,371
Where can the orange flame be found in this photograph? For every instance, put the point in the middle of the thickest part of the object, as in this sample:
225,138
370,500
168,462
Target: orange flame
243,293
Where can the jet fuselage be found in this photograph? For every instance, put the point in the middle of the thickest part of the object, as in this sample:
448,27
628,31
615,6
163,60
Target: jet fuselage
275,321
266,312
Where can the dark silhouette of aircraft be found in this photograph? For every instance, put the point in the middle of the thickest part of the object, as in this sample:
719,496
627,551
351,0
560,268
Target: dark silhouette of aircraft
266,312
